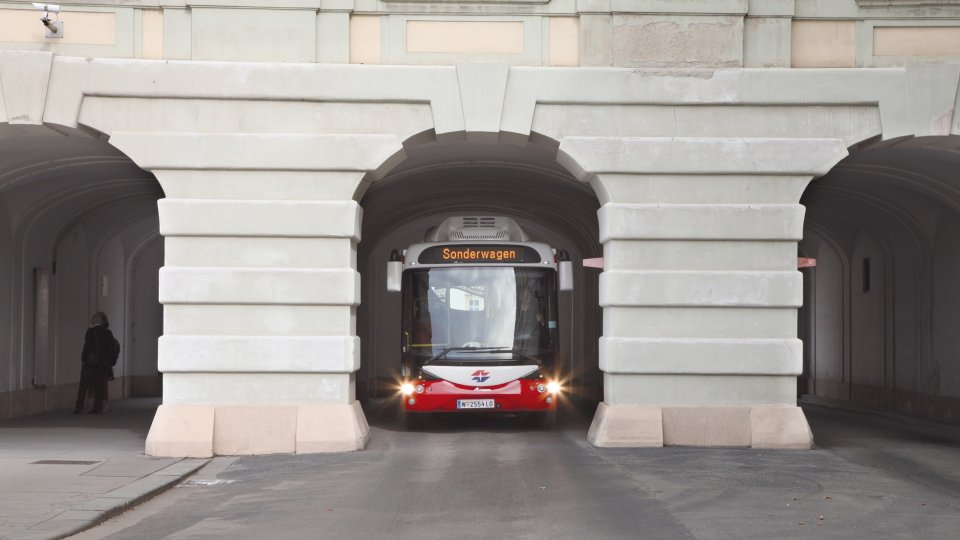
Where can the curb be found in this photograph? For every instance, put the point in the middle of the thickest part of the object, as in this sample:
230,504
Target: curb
96,511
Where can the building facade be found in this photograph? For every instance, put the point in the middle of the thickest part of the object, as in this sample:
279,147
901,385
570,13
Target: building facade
251,164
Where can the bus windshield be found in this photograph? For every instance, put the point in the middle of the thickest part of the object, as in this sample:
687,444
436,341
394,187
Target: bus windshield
456,312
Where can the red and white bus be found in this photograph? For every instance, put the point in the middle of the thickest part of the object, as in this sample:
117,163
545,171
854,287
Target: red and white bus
480,325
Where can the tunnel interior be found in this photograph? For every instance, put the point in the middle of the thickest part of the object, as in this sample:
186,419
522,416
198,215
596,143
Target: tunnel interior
439,180
882,305
78,234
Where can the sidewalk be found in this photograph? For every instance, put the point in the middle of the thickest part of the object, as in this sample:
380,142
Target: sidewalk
61,473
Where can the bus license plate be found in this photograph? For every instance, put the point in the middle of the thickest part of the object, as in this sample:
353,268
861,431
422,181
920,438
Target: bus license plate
475,404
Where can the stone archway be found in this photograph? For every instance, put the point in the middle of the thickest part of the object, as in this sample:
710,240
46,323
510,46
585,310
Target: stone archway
72,208
261,223
888,215
445,179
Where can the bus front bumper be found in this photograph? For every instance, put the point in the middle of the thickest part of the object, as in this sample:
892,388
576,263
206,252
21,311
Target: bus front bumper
521,395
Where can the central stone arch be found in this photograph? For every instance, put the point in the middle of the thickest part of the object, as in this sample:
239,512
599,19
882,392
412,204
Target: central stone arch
466,177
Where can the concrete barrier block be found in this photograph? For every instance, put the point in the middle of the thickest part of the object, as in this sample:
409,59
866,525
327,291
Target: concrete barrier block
706,426
242,430
626,426
331,428
780,426
181,431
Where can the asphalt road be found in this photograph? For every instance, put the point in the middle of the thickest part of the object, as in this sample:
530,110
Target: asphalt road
870,477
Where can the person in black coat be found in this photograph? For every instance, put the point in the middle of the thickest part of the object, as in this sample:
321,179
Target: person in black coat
96,352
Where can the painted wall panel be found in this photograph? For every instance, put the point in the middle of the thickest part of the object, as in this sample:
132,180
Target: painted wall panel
253,35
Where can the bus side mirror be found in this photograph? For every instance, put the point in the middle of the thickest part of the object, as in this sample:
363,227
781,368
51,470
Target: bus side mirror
394,271
565,269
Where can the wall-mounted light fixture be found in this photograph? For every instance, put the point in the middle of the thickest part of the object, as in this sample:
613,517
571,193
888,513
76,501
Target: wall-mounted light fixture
54,27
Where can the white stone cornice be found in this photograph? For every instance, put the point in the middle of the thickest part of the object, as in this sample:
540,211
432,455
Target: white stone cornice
771,8
260,151
274,4
259,354
909,3
656,221
882,87
313,219
663,356
269,286
588,156
74,78
675,288
692,7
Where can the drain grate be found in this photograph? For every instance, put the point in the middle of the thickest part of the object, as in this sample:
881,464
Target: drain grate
63,462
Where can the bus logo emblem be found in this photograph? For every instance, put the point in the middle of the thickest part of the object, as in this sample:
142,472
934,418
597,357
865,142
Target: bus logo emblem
480,375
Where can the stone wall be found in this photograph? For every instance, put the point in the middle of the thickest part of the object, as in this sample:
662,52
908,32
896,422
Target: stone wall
644,34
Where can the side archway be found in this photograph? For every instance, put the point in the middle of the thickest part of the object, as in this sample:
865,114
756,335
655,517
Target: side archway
73,209
892,211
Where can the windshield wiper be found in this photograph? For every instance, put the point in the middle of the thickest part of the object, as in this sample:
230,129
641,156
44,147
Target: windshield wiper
513,351
443,352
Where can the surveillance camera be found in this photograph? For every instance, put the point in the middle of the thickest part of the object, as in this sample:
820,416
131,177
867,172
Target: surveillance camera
49,8
54,28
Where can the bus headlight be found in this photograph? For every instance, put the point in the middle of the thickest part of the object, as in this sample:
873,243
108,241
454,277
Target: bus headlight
541,388
553,387
406,388
419,389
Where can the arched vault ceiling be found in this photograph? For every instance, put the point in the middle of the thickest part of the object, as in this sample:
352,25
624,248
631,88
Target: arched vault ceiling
523,182
910,181
56,175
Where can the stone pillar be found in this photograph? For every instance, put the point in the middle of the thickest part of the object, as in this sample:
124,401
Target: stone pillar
259,289
700,288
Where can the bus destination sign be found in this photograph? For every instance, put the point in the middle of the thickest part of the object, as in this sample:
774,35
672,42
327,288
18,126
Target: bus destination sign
474,254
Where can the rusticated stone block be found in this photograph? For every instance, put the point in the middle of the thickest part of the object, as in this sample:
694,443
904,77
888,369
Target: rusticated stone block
331,428
626,426
181,431
254,429
706,426
780,426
